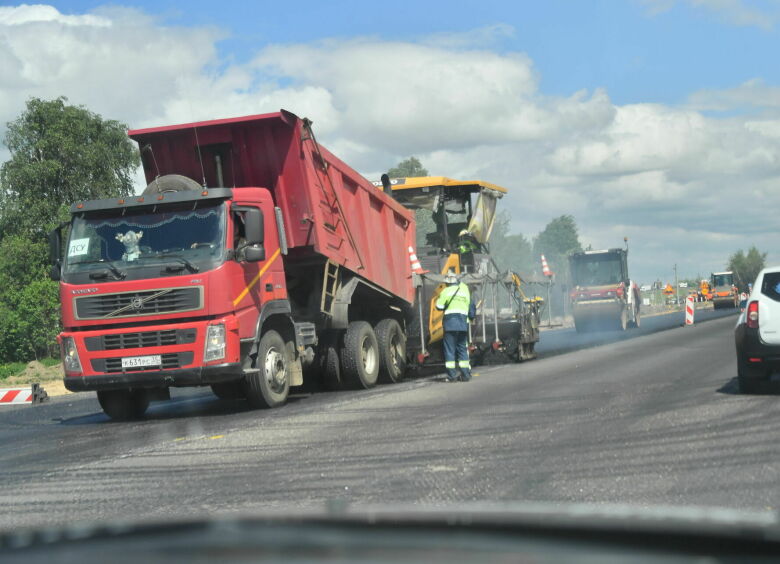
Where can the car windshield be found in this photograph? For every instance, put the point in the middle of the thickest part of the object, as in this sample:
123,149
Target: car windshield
145,238
254,254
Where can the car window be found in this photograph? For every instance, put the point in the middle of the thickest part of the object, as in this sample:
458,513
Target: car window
770,286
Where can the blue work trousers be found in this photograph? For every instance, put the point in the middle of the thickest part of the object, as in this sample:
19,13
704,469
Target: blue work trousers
456,354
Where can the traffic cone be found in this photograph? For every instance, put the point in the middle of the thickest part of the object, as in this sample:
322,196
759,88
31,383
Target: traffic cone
416,266
546,269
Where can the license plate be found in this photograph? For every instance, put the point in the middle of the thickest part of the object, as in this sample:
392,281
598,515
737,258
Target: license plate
141,361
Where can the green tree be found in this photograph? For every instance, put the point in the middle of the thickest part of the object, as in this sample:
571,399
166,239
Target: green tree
511,251
558,239
60,154
409,168
746,266
556,242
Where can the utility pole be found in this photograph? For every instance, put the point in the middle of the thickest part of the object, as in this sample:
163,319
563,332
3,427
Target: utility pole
676,287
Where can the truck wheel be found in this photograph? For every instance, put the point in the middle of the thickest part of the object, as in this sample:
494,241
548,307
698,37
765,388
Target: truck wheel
623,320
171,183
392,350
635,322
229,390
331,366
360,355
269,386
123,405
581,326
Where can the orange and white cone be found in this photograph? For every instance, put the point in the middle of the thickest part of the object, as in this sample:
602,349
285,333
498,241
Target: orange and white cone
416,266
546,269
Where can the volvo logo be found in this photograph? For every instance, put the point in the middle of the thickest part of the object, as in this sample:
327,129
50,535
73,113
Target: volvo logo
137,303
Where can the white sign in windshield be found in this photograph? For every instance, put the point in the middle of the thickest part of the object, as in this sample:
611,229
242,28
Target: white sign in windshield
78,247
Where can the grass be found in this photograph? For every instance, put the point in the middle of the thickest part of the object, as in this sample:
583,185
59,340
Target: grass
49,362
11,369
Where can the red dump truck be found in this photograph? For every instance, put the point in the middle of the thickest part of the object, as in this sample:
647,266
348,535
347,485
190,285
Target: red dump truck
278,257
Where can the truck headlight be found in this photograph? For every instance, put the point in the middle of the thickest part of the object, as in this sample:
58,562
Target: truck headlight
215,343
70,356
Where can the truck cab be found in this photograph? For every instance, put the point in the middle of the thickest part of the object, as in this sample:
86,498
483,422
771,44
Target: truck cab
603,296
724,292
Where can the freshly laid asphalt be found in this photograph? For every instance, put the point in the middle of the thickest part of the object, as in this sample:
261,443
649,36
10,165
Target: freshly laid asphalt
651,417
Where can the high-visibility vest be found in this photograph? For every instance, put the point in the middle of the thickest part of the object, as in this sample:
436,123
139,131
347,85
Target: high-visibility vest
457,304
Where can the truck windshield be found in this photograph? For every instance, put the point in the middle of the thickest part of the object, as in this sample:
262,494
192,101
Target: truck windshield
722,279
141,242
596,271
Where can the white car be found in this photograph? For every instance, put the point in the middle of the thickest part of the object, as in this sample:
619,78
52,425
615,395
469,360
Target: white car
645,288
757,334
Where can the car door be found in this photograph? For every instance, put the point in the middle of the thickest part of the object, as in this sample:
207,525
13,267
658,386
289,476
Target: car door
767,289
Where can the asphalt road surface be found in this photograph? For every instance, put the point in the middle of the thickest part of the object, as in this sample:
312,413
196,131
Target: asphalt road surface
651,420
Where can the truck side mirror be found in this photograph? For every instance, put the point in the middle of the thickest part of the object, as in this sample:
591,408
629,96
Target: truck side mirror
55,254
254,226
254,253
55,246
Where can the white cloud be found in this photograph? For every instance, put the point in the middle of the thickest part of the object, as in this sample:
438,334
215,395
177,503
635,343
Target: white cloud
682,185
751,95
746,13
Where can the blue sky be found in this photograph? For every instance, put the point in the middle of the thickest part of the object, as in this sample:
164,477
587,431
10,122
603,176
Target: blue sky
653,119
636,51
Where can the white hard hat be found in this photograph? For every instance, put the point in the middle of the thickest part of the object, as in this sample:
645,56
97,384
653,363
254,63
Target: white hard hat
451,278
463,232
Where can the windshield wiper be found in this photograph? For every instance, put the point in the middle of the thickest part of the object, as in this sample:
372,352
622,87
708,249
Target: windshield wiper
178,268
110,269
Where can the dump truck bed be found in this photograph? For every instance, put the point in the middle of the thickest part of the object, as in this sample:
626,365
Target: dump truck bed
329,210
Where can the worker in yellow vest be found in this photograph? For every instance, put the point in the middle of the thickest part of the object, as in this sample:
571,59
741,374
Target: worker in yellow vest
455,301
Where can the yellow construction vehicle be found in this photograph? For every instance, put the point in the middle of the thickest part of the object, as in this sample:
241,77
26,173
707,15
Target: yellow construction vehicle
454,222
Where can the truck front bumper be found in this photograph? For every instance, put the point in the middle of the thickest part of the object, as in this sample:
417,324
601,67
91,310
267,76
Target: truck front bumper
198,376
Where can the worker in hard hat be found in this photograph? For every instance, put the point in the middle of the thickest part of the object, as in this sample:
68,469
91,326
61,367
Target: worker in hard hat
467,246
456,303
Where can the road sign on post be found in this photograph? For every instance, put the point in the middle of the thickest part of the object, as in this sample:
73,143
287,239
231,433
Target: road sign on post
689,309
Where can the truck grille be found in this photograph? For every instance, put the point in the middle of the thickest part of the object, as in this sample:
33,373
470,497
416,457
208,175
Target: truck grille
140,340
134,304
169,361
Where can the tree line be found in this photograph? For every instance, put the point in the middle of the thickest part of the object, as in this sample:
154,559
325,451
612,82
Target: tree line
60,153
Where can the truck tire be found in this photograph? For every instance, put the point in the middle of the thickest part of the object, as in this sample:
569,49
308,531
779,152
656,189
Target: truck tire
123,405
269,386
622,320
229,390
330,366
360,356
171,183
392,351
636,321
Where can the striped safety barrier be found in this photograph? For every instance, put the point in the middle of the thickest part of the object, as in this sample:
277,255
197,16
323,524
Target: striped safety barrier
31,394
689,309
